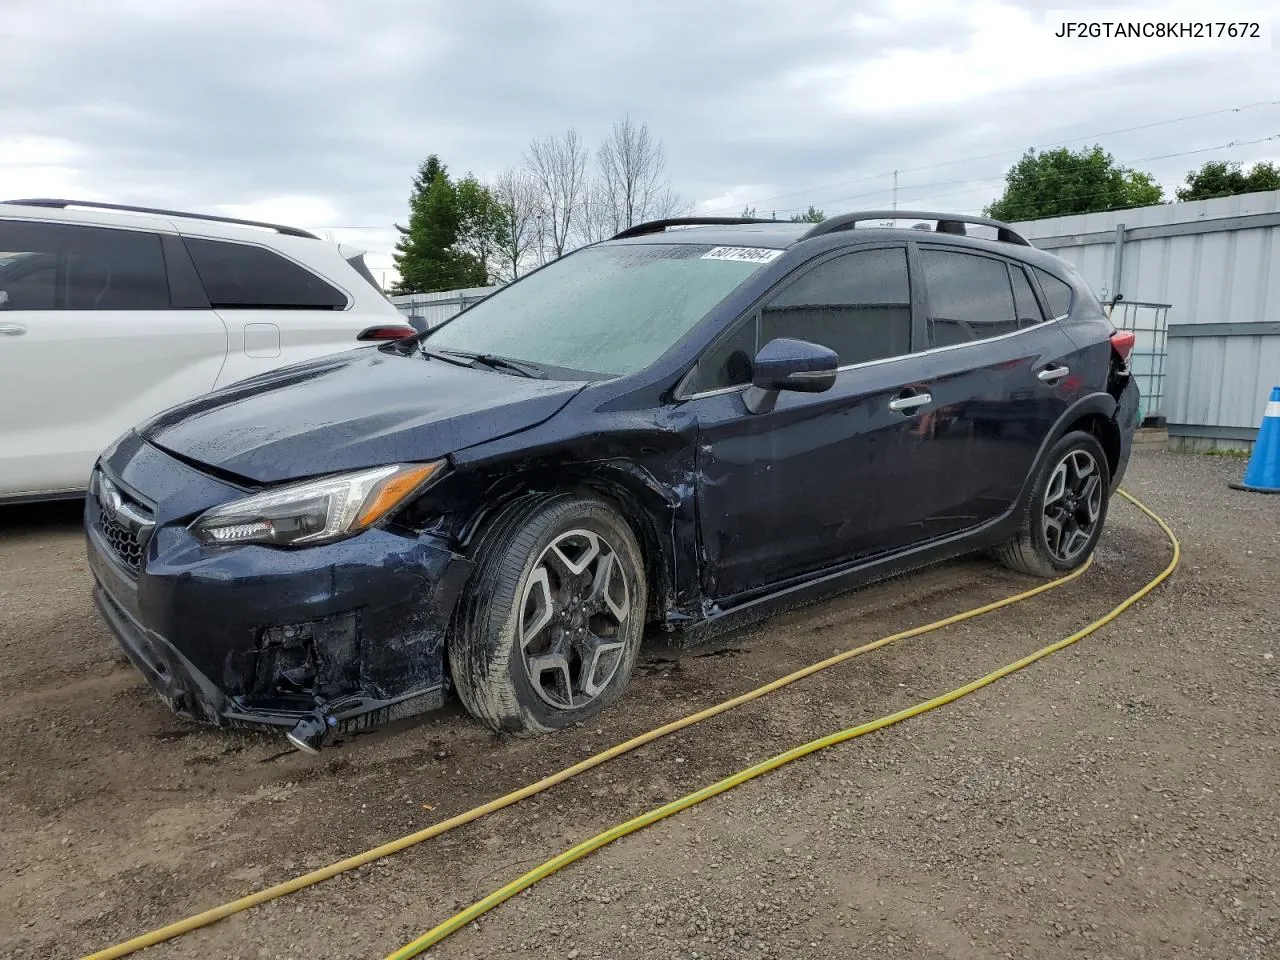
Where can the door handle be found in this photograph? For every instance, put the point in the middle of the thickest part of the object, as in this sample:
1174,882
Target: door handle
12,329
1052,374
910,402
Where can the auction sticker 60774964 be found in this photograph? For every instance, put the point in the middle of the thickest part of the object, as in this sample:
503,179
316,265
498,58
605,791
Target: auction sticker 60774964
744,254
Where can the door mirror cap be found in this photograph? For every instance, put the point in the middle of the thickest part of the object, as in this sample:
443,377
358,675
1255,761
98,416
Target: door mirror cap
785,364
797,365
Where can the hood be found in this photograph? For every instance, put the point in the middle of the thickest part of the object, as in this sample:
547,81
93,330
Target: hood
357,409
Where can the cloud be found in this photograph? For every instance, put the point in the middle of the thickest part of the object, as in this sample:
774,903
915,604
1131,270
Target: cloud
317,112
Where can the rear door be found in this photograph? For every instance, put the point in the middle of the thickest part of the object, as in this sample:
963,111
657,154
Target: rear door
276,310
93,340
1001,378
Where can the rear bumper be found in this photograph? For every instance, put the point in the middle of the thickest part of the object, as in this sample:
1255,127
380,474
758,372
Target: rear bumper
1127,421
253,635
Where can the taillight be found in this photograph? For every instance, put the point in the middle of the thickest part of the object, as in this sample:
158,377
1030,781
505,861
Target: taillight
1122,344
395,331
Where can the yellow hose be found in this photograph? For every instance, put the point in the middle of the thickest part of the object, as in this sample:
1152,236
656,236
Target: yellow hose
461,919
214,914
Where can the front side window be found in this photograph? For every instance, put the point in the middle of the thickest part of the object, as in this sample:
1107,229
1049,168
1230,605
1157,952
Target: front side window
607,310
244,276
63,266
858,304
970,297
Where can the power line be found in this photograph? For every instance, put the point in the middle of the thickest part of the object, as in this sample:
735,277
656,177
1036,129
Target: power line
1164,156
973,183
1002,153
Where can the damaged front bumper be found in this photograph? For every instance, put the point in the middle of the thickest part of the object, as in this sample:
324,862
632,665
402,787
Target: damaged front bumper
353,631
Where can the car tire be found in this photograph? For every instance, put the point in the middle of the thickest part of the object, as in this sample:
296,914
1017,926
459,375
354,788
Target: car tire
1066,511
549,628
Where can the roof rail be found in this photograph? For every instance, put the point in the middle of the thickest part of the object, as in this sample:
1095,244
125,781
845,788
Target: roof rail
63,204
657,226
947,223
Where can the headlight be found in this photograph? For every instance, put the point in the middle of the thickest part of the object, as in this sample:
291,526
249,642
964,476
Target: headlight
317,510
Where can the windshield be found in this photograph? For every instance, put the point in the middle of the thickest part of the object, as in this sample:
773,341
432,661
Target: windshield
604,310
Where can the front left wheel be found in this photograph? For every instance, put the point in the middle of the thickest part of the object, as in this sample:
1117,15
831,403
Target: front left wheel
549,629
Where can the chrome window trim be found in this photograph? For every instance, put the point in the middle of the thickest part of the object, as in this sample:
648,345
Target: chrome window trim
885,360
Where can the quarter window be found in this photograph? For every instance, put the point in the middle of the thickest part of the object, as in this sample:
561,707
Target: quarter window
61,266
1029,313
241,275
970,297
1056,291
858,304
728,363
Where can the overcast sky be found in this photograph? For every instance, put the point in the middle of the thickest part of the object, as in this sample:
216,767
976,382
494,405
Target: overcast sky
316,112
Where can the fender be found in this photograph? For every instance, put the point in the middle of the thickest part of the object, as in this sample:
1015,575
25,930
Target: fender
1100,404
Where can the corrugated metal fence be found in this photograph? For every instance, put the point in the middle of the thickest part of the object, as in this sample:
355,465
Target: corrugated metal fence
427,310
1215,264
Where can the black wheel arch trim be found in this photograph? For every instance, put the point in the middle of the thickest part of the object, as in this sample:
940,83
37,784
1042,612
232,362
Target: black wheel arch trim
1100,404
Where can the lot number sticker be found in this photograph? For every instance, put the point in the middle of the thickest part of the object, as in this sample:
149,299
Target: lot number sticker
743,254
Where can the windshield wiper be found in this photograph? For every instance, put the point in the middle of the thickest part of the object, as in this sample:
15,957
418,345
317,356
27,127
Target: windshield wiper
494,362
439,355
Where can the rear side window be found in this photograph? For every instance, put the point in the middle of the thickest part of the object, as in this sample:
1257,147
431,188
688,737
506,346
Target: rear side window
858,304
1056,292
1029,313
240,275
62,266
970,297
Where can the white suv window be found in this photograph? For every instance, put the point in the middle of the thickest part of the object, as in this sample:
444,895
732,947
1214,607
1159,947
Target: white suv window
244,276
59,266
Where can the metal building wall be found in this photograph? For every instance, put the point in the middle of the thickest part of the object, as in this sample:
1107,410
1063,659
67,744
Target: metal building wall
433,309
1217,263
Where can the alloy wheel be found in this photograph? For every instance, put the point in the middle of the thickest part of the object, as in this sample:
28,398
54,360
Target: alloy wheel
573,614
1072,505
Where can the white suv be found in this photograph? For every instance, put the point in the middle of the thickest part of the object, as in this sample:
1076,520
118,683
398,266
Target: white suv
110,314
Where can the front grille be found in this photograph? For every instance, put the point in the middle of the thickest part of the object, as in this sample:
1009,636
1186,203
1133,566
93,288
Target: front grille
122,542
123,520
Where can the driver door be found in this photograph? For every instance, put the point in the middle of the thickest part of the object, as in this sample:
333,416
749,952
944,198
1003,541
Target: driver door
821,479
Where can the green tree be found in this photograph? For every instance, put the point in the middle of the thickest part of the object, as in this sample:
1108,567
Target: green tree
812,215
1061,182
427,255
748,212
1222,178
483,229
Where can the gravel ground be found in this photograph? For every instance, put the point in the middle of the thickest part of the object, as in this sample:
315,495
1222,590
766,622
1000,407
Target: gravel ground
1117,800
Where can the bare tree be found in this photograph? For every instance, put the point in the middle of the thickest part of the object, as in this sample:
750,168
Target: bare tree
633,185
597,222
517,197
558,169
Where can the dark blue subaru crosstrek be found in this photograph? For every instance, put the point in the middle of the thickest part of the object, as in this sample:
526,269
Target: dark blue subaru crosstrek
684,426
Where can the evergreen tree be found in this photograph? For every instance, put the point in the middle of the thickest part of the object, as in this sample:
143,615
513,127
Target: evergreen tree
427,254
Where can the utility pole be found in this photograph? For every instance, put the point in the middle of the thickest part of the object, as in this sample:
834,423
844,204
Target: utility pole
895,190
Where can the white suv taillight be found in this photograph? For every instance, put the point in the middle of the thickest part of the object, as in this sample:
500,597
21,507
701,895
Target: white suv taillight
393,331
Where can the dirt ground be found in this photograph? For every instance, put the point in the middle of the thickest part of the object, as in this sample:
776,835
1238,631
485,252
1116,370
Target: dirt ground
1118,800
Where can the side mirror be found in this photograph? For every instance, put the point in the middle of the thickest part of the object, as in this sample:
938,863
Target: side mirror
785,364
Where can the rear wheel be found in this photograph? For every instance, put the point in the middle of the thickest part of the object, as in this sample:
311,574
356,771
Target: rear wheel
550,628
1066,511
